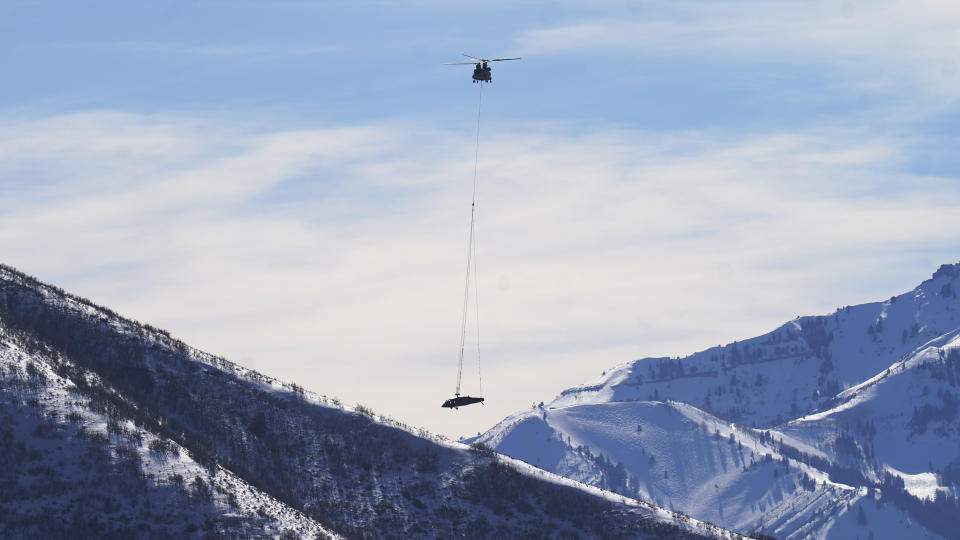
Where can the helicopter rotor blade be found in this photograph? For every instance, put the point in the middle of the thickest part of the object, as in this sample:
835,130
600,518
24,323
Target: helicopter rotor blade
479,60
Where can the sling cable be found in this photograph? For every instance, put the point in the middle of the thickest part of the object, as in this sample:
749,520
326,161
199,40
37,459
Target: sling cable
481,74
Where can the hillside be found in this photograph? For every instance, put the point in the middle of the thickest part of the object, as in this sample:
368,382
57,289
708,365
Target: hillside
831,426
68,453
903,420
111,428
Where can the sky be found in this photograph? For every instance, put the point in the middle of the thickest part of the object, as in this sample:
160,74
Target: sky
287,184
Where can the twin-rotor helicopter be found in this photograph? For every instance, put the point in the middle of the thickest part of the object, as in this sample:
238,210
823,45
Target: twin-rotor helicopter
481,73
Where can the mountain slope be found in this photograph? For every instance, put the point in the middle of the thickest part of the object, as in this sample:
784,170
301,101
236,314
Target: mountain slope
817,356
760,435
682,458
66,453
291,458
904,418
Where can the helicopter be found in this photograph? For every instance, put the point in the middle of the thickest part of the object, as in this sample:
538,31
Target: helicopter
481,73
460,401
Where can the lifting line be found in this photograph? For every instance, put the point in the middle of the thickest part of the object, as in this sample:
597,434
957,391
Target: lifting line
472,263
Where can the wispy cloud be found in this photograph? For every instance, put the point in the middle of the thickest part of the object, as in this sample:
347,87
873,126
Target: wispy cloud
246,50
334,256
876,45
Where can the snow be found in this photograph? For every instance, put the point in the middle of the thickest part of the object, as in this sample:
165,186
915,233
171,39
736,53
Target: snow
839,391
888,400
706,475
58,401
920,485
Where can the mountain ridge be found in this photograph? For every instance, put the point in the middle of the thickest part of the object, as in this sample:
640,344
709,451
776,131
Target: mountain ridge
759,390
147,405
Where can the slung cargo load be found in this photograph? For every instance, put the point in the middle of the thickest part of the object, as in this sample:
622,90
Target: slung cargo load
461,401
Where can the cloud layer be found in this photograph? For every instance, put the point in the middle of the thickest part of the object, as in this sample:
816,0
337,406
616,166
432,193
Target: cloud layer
334,257
893,46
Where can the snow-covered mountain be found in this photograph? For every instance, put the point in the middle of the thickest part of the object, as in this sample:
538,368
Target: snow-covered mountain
68,452
837,426
110,428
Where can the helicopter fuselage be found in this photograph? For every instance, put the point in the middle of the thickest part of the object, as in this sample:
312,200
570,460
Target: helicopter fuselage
461,401
482,73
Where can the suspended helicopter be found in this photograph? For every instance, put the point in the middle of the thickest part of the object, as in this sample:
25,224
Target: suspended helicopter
461,401
481,73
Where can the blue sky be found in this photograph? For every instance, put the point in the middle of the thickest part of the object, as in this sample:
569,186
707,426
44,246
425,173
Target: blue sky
287,183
